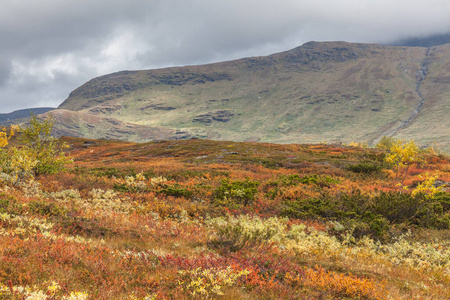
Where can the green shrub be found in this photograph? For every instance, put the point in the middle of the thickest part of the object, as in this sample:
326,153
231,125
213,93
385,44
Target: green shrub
373,215
385,143
4,203
45,208
126,188
176,191
444,199
230,193
365,167
418,210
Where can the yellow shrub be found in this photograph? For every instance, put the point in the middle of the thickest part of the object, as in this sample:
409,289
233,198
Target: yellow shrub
402,155
427,186
5,137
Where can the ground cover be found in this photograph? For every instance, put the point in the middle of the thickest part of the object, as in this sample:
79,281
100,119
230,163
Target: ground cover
199,219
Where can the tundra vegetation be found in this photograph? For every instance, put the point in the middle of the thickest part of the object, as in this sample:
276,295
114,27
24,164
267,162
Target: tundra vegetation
199,219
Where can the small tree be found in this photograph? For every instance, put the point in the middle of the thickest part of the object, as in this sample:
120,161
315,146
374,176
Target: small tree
16,164
48,151
402,155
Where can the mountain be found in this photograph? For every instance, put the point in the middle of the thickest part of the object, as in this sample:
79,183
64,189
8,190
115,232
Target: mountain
23,113
318,92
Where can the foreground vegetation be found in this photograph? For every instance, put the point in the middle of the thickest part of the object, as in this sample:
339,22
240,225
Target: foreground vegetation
201,219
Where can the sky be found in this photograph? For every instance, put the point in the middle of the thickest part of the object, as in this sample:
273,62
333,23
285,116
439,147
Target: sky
50,47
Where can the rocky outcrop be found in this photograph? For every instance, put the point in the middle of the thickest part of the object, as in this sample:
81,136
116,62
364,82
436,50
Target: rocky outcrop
181,78
443,185
105,109
157,107
219,116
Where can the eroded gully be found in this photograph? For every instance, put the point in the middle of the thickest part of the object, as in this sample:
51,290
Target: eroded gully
421,74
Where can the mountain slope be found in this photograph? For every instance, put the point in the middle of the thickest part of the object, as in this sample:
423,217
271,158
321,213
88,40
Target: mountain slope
332,92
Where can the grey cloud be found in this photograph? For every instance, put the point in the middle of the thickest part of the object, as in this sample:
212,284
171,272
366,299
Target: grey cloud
51,47
5,70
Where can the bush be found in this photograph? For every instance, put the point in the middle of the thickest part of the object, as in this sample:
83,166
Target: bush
402,155
235,233
385,143
125,188
48,151
9,205
365,168
176,191
230,193
17,164
44,208
372,215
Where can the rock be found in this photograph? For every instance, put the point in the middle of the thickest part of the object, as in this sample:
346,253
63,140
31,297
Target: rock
441,183
88,144
219,116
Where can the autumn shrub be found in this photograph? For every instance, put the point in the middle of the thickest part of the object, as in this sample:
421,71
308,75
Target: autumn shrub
39,153
132,184
427,186
235,233
82,226
52,291
9,205
17,165
209,282
343,286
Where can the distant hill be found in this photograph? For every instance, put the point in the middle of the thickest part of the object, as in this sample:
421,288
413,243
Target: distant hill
23,113
318,92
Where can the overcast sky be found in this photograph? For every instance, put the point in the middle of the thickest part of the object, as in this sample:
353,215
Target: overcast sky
50,47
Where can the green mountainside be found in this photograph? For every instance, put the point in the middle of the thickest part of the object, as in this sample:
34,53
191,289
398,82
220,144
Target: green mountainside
318,92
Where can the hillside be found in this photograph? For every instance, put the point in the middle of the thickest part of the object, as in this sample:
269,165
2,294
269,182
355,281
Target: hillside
201,219
333,92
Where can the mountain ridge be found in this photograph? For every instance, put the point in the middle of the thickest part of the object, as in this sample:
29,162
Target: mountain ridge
23,113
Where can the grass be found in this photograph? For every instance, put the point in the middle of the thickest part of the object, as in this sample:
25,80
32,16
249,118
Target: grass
201,219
